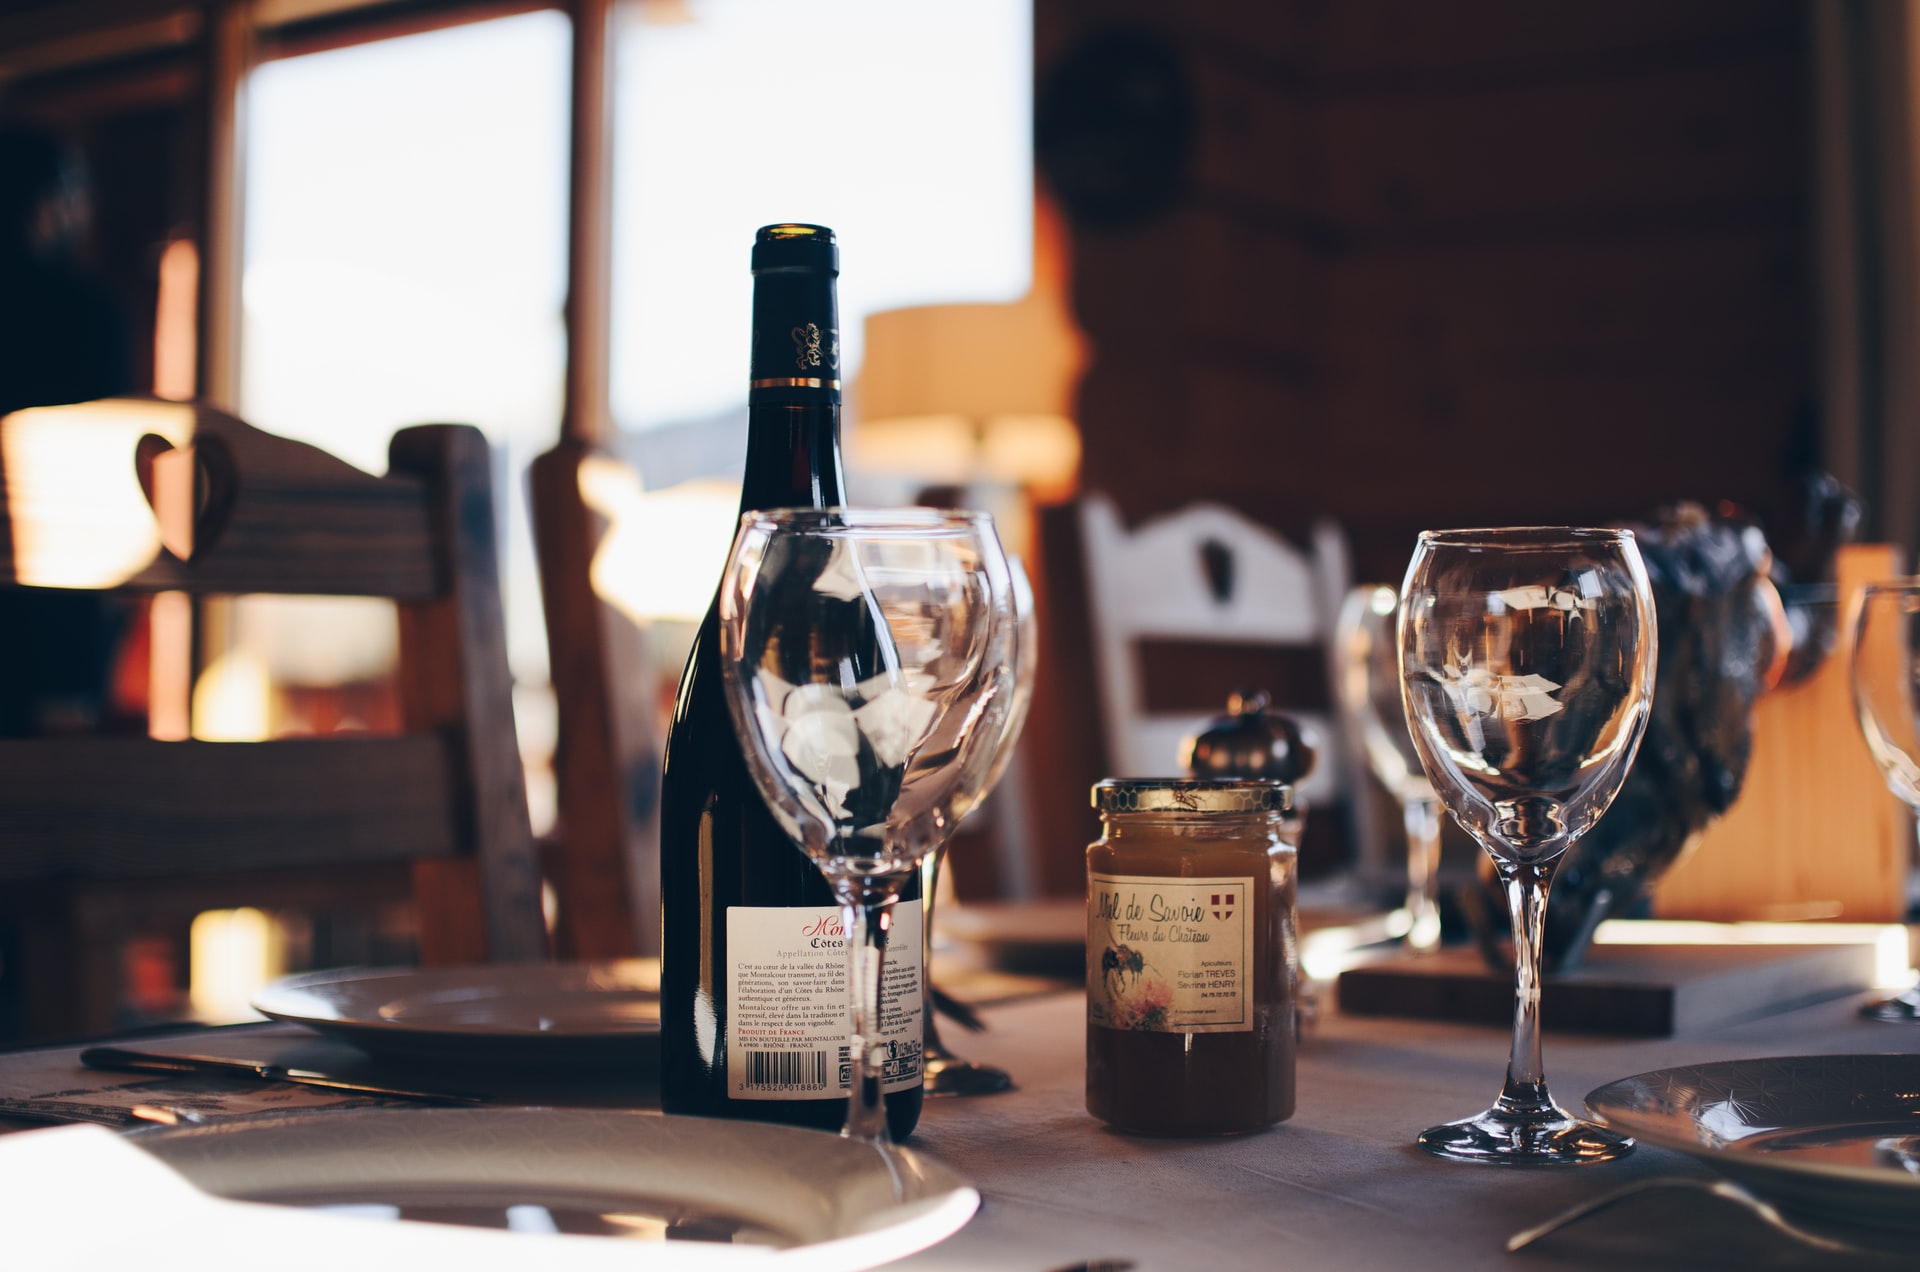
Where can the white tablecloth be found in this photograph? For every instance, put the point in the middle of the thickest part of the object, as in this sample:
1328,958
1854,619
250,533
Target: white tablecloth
1341,1185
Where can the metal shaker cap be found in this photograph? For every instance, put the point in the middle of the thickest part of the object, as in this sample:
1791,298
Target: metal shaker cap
1250,741
1189,795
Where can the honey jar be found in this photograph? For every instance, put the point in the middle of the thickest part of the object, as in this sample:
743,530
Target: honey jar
1192,960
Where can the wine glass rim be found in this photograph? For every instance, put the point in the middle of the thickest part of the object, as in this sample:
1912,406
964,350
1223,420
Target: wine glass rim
902,520
1527,536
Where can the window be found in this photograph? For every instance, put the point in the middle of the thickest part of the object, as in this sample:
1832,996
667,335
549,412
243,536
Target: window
406,247
905,127
406,254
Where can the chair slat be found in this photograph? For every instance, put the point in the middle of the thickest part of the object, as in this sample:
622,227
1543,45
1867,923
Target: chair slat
112,808
92,491
373,540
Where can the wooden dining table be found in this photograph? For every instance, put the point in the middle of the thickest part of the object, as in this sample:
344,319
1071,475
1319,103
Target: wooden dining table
1339,1185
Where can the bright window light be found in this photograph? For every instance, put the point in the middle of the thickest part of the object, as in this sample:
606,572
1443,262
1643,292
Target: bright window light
406,236
906,127
406,254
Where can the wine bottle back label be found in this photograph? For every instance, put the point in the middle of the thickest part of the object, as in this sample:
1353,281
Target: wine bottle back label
788,990
1170,955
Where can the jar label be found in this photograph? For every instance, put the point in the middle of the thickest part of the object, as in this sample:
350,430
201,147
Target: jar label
1170,955
787,988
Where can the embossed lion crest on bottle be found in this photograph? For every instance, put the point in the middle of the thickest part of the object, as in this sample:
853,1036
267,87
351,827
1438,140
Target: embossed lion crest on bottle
807,354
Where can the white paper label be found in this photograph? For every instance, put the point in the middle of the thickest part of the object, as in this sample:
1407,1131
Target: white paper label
787,988
1170,955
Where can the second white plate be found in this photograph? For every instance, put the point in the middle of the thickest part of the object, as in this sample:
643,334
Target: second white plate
561,1014
1831,1138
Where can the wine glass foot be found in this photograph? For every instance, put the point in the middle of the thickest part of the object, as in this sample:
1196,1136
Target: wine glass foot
1500,1138
949,1075
1903,1008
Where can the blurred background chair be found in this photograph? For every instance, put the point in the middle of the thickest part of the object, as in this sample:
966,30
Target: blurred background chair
1232,605
603,856
102,836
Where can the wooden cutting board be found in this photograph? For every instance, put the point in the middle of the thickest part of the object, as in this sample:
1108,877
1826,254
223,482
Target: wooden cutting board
1651,991
1815,833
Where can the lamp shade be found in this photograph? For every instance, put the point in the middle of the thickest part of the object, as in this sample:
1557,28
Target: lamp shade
956,393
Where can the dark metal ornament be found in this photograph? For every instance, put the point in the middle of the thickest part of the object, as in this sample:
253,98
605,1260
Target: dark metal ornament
1251,741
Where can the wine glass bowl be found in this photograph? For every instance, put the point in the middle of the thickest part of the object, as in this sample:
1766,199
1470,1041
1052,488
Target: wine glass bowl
1885,674
947,1074
1369,683
866,656
1527,658
1530,695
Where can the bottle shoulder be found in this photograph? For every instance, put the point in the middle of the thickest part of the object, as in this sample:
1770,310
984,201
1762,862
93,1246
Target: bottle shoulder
699,709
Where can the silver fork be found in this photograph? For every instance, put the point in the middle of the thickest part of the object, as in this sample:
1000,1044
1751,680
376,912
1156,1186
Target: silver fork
1725,1189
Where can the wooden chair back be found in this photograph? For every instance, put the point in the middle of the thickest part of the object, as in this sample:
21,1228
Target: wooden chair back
144,496
605,853
1208,575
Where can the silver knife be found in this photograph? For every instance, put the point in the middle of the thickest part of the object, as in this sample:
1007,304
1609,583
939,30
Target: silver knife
121,1059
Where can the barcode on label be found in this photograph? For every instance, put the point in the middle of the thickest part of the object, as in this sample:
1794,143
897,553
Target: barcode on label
787,1070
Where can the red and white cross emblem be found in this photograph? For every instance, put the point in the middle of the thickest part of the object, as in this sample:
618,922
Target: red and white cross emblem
1222,905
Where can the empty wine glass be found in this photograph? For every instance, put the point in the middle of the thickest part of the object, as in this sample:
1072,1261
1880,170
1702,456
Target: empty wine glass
1369,684
866,656
944,1072
1886,697
1527,659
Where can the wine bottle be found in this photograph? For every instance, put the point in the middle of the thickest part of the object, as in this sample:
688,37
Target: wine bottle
753,981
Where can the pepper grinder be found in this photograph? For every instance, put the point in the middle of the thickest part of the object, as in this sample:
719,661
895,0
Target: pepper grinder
1253,741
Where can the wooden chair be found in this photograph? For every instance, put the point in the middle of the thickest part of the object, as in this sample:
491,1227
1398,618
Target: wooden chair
1207,575
97,832
605,853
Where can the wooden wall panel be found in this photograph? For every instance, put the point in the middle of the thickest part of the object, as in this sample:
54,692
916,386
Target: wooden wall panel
1257,140
1276,31
1522,450
1488,261
1393,37
1204,283
1589,154
1666,302
1203,431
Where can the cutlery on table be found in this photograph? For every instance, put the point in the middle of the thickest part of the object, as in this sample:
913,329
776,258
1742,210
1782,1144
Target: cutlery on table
126,1060
1725,1189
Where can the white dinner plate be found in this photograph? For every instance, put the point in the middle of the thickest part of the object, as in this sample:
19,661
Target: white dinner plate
569,1014
700,1189
1830,1138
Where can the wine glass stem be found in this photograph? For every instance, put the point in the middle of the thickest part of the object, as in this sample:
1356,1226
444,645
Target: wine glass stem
1913,860
1422,820
1526,885
863,916
932,1049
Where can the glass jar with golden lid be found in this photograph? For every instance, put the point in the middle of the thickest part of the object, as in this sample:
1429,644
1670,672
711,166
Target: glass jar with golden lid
1192,960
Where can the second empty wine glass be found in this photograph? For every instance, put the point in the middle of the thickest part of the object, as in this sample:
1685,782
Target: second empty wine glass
1885,671
945,1072
1527,659
1369,684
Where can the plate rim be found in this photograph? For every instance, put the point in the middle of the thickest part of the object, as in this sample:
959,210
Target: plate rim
262,1002
1760,1162
947,1204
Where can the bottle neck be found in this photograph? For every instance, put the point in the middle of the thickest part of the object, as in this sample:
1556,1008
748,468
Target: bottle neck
793,397
796,337
793,456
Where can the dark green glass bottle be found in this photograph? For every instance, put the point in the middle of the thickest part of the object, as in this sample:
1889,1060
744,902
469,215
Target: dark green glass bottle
733,886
